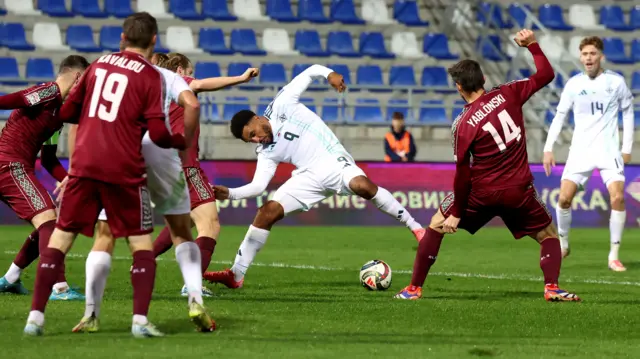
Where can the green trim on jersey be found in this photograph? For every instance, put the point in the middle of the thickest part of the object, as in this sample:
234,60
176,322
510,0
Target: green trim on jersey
53,140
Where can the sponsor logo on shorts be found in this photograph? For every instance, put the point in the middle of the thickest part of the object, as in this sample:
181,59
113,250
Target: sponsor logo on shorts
27,187
196,181
146,214
447,202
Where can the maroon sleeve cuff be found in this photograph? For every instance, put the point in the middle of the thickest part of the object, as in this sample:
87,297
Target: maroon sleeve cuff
51,163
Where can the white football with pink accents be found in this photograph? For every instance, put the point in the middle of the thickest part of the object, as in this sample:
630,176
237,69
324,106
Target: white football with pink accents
375,275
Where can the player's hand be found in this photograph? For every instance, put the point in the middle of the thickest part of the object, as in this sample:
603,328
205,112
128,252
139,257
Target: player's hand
59,191
405,159
525,37
451,224
548,162
221,192
337,82
626,158
250,73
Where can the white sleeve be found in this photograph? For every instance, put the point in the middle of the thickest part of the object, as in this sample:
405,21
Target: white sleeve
178,86
300,83
265,169
564,106
625,98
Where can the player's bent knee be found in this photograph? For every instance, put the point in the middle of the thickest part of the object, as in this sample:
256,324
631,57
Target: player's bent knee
363,187
270,213
179,227
549,232
140,243
61,240
44,217
205,218
437,222
104,241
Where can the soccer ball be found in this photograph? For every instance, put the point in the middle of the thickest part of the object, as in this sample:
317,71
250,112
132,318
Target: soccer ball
375,275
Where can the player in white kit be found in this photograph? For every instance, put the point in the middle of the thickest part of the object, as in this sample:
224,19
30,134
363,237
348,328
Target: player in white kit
595,96
291,133
169,193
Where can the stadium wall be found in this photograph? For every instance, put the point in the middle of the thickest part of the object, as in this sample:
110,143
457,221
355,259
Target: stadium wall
418,186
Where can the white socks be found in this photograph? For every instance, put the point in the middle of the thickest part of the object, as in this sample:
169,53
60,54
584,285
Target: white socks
13,274
189,260
36,317
60,287
140,319
250,246
564,225
97,269
616,226
386,203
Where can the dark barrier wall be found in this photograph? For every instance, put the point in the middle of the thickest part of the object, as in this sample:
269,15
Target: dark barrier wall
419,187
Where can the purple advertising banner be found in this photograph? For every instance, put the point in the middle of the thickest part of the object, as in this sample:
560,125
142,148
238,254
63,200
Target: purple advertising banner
419,187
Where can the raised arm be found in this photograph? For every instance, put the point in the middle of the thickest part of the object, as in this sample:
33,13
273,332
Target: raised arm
218,83
32,96
265,169
300,83
524,89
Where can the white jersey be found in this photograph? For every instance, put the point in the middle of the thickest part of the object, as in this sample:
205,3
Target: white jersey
175,85
595,104
300,137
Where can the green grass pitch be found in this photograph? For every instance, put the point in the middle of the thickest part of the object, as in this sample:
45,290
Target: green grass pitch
302,299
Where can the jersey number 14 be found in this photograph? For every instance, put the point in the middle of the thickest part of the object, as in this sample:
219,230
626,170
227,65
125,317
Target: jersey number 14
509,128
108,89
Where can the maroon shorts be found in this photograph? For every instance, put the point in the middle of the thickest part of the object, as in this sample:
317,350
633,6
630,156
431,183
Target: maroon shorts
200,191
22,192
521,209
128,208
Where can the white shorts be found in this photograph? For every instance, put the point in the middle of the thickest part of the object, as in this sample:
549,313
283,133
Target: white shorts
578,169
165,180
303,190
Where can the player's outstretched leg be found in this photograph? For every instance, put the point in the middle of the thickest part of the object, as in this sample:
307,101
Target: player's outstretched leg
29,252
383,199
425,258
256,237
616,223
550,262
568,190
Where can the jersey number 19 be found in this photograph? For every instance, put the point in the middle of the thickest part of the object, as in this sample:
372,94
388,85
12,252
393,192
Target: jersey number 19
511,131
110,91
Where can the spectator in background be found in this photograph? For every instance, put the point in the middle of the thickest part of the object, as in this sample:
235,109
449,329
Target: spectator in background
399,145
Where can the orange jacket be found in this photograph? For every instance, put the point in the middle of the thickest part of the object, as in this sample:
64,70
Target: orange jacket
399,142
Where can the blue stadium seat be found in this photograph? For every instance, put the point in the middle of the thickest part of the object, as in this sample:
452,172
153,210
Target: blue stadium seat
9,73
368,110
491,48
80,38
433,112
244,41
54,8
372,44
263,104
401,76
159,47
402,106
437,46
316,85
615,52
436,77
312,11
40,69
634,17
15,38
458,106
4,114
612,17
559,81
551,16
344,11
110,38
332,111
636,116
204,70
217,10
370,75
208,108
211,40
406,12
280,10
88,8
230,109
3,12
493,12
185,9
635,50
273,74
520,17
575,72
339,43
308,43
118,8
237,69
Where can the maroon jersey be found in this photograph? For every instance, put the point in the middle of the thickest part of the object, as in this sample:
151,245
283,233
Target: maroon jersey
176,117
118,93
491,131
33,122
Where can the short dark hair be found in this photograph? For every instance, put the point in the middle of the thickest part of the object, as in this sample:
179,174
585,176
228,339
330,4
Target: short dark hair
239,120
592,40
467,74
139,29
73,62
397,116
